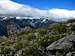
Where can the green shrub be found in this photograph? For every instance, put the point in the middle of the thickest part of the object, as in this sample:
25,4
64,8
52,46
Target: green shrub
5,50
46,40
59,28
42,31
73,28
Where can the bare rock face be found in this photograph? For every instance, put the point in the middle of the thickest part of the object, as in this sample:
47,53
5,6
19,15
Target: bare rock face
66,42
70,54
62,46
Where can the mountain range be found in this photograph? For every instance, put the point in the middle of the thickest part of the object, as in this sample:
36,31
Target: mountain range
22,23
26,16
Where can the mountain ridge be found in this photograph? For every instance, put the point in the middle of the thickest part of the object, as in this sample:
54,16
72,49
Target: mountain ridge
22,23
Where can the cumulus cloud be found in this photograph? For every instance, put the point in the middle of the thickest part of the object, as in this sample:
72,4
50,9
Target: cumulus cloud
11,8
19,9
62,14
3,0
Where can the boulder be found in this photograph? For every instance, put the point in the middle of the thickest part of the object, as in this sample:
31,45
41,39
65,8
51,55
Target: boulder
62,47
70,54
66,42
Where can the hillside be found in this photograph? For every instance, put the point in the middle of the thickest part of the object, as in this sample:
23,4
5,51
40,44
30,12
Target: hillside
55,40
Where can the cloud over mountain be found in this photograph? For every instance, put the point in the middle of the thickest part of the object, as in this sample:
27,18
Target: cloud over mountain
62,14
11,8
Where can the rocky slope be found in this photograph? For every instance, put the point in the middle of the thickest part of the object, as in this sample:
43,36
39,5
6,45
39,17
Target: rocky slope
31,38
62,47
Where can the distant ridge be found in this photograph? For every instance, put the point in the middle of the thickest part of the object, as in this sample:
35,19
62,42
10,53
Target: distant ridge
22,23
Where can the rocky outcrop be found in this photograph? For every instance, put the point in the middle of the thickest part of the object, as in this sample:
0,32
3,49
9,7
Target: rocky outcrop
62,46
70,54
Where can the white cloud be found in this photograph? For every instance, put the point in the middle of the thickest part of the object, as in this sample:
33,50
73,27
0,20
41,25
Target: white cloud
4,0
62,14
15,9
12,8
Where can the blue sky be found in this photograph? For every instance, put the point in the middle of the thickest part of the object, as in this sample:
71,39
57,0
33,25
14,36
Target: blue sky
52,9
48,4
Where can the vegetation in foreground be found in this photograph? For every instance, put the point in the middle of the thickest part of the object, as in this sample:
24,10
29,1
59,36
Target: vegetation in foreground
33,42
